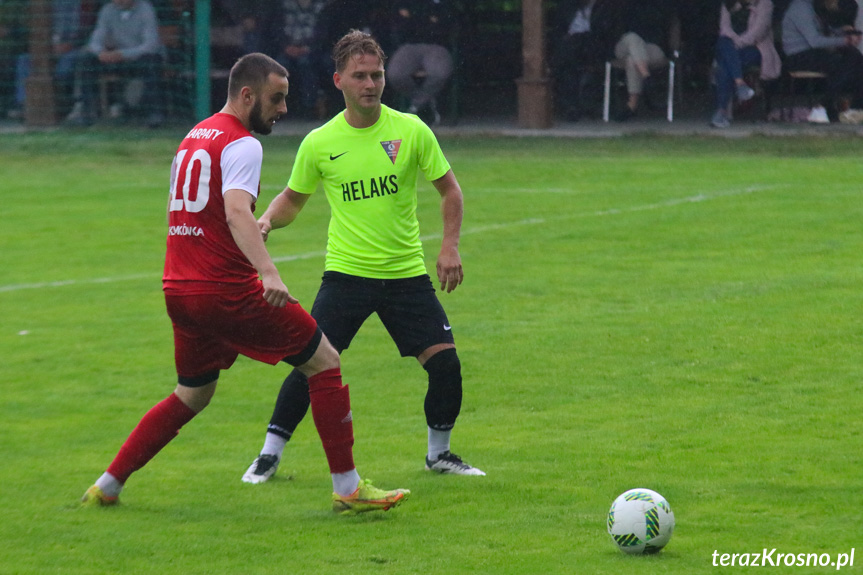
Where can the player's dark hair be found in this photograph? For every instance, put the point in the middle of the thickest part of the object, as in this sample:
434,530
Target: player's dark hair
356,43
252,70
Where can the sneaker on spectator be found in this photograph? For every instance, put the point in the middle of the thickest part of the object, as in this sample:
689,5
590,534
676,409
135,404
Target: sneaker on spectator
818,115
851,116
720,119
434,116
155,119
427,113
115,111
744,93
79,116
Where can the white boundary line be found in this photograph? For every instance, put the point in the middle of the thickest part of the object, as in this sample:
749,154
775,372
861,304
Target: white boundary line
474,230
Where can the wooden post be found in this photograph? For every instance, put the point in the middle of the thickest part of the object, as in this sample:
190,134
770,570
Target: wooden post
534,87
39,107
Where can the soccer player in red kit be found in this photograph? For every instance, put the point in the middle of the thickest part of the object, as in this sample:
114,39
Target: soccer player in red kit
225,297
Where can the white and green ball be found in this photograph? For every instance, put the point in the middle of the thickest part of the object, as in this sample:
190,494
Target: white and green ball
640,521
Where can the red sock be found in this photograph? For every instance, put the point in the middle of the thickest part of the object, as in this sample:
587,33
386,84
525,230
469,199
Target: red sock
331,410
156,429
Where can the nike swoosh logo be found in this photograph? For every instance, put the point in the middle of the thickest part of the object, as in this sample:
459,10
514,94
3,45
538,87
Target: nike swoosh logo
447,327
332,157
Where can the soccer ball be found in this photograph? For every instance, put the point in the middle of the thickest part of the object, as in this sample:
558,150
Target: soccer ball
640,522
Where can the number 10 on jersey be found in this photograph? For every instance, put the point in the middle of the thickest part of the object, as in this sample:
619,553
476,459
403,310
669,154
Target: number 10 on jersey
182,200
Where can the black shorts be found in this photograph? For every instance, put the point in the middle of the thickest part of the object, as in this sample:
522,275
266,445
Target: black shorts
408,308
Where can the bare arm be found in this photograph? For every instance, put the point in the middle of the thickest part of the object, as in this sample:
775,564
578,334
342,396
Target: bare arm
282,211
244,229
449,269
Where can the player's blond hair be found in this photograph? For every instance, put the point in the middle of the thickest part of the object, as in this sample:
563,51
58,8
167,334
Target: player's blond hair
356,43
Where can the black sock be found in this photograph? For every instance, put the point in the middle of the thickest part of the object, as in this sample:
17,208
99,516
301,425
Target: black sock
291,405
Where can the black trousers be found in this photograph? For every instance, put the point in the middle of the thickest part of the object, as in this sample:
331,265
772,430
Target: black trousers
844,70
572,62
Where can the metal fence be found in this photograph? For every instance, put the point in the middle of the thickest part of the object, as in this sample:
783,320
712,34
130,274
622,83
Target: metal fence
41,70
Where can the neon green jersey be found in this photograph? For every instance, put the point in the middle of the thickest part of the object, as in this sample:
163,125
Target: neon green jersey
370,179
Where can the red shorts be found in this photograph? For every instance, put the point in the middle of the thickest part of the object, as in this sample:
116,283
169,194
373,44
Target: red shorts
210,330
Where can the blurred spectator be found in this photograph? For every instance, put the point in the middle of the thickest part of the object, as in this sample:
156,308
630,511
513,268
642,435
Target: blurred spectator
421,65
338,17
699,30
66,37
246,17
810,44
858,21
643,46
335,20
838,14
287,28
125,42
13,42
745,41
585,32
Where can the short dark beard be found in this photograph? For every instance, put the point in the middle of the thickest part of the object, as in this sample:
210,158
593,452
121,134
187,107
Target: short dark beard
257,122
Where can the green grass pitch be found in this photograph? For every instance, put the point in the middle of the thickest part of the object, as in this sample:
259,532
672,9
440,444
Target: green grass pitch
677,314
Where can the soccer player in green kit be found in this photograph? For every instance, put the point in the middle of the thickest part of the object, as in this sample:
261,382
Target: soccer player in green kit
368,159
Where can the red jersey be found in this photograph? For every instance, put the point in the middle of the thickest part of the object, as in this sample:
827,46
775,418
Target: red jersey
217,155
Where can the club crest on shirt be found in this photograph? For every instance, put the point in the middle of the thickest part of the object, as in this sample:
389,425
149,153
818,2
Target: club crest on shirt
391,147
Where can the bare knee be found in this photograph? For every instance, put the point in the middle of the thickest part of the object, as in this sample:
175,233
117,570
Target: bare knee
432,350
325,357
196,398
